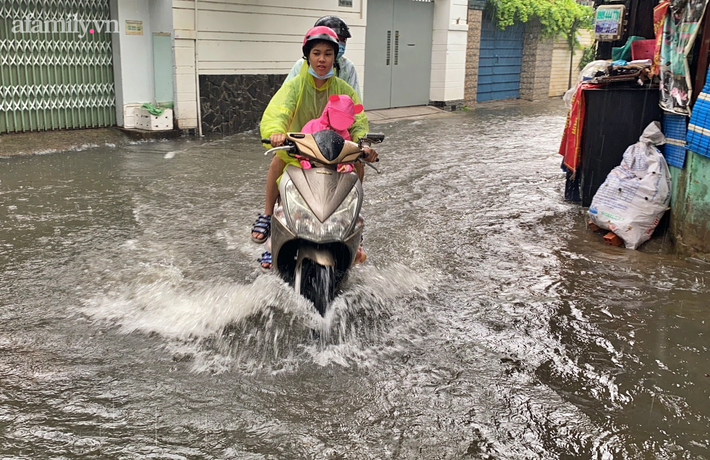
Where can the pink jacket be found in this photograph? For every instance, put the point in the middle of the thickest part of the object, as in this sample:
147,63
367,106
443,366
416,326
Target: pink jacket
338,115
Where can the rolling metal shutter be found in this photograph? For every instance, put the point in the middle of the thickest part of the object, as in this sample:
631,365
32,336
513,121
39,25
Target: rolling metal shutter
53,76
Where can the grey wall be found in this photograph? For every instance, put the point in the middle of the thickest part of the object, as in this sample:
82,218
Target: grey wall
232,104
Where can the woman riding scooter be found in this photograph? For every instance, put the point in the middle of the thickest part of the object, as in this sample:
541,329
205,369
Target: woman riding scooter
298,101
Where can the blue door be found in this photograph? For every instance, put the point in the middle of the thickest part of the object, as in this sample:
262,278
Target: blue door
500,62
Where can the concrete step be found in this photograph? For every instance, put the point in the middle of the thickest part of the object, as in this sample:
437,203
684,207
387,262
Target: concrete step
403,113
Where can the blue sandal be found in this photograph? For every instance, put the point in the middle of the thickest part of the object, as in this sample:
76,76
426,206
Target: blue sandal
265,259
263,227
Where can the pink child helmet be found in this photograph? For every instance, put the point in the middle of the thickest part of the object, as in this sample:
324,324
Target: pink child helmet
341,111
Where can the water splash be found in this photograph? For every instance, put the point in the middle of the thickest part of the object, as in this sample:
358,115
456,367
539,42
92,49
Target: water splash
263,325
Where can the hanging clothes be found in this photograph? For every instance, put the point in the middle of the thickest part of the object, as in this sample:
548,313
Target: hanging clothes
571,146
679,32
660,13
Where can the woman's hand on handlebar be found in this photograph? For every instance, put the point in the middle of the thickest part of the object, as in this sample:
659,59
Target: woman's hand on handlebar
277,139
369,155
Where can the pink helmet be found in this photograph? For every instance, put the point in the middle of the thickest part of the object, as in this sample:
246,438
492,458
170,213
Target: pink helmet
319,33
341,111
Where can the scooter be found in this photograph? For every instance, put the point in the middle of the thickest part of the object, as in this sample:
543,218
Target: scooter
316,227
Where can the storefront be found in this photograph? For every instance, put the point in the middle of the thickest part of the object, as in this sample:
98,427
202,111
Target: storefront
622,95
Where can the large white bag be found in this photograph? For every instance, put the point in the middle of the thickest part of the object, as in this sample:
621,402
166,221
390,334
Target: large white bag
636,193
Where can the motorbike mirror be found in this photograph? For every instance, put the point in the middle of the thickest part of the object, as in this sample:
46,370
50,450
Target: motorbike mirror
374,138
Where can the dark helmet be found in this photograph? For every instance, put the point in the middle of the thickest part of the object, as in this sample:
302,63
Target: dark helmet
320,33
335,23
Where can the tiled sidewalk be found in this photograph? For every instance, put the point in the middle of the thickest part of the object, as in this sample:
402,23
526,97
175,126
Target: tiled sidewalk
384,115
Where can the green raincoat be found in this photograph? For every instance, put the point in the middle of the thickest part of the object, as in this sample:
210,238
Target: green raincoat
299,101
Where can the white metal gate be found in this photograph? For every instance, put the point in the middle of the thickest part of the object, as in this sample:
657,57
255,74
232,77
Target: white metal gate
56,65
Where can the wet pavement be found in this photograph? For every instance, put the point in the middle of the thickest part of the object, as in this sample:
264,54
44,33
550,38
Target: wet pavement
487,322
46,142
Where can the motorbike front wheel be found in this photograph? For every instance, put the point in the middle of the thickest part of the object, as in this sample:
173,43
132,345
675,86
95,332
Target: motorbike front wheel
318,284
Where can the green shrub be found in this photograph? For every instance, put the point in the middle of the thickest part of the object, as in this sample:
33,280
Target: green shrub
557,17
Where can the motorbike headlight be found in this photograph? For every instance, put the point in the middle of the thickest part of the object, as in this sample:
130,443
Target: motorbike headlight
306,225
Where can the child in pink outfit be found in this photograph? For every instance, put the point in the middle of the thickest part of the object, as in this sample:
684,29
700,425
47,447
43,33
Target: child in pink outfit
338,115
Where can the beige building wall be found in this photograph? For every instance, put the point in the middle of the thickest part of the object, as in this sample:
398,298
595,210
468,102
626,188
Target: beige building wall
248,37
473,54
560,63
184,81
448,53
244,46
537,60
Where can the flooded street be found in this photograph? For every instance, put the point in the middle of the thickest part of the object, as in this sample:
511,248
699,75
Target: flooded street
487,323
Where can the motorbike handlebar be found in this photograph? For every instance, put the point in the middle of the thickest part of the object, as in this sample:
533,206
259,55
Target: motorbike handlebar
287,142
370,138
287,146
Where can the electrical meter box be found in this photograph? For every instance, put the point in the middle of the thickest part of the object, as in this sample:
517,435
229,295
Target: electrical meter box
609,22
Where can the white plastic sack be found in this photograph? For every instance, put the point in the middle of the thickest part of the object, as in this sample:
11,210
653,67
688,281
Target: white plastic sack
636,193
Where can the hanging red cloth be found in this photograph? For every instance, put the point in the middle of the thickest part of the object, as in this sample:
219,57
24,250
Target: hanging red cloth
571,147
660,13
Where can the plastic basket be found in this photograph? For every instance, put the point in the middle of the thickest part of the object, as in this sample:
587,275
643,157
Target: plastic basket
642,49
